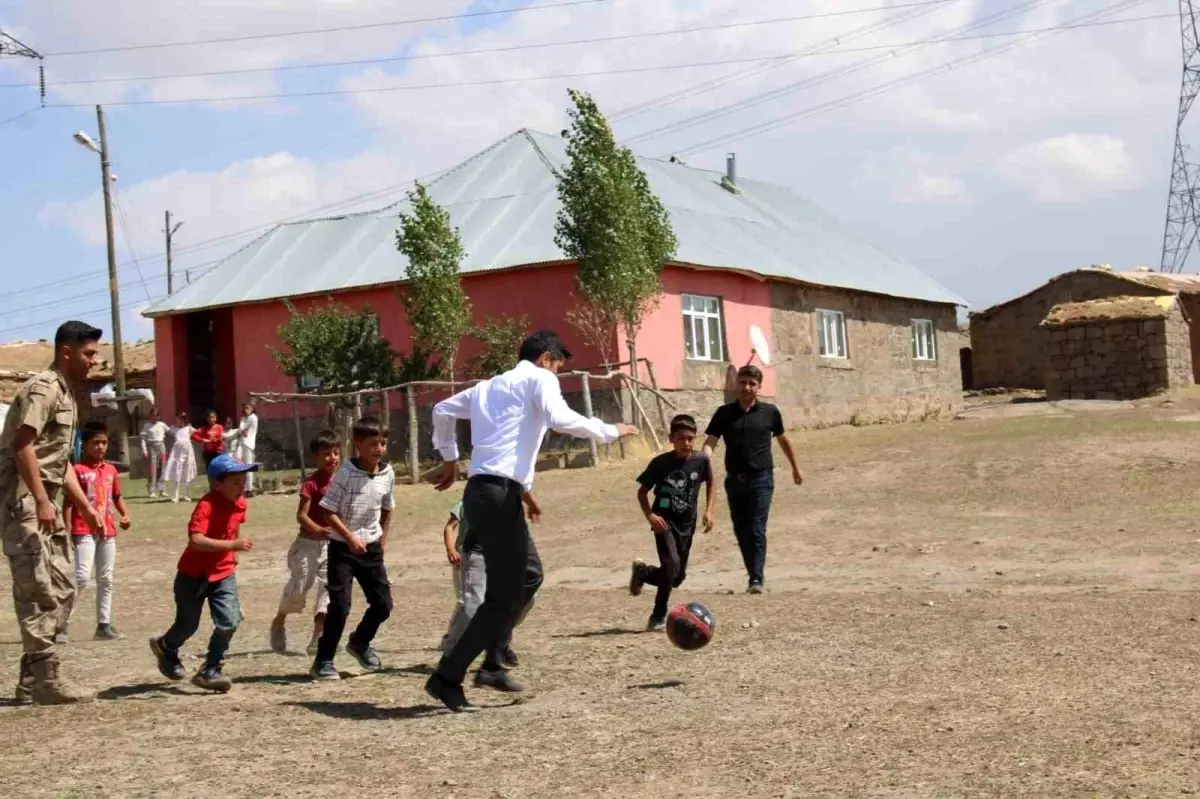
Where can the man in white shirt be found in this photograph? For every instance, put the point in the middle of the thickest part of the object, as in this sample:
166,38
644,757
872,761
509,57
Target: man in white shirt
247,440
509,414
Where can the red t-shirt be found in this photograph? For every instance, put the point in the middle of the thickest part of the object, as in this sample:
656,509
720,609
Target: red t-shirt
214,517
102,486
314,491
211,438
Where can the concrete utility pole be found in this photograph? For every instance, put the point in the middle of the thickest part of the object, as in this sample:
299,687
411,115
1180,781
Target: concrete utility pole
170,231
114,293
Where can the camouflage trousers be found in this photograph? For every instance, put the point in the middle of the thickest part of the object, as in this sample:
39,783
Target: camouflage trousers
42,576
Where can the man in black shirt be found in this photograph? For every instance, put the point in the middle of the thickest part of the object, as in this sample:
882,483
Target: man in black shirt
748,426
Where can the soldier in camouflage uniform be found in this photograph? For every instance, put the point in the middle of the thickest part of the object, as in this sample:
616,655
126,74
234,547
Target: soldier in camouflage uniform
35,449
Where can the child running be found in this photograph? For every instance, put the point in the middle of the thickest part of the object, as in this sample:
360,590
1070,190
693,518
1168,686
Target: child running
207,573
306,558
675,479
154,450
359,501
97,549
465,555
181,465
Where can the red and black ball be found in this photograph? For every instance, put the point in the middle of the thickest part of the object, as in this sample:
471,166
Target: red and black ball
691,626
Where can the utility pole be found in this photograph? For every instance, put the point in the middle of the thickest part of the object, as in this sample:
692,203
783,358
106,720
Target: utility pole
1183,205
114,293
170,231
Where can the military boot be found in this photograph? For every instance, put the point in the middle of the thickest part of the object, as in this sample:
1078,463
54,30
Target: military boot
24,694
50,688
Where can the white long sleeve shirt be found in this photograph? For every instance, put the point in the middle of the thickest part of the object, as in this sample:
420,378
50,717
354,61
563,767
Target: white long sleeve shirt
509,415
248,431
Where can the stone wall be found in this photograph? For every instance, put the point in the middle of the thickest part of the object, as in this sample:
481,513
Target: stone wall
1118,359
1007,346
880,381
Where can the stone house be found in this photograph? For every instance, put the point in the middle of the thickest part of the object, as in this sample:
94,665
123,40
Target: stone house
855,334
1117,348
1008,344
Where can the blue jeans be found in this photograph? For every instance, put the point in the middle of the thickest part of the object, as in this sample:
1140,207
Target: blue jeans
749,497
223,605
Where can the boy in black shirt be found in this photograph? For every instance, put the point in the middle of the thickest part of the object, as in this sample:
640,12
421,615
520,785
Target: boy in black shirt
675,479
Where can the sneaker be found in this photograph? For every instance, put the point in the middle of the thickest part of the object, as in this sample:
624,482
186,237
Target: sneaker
637,577
365,656
754,588
169,664
499,679
279,640
448,693
106,632
656,625
324,670
509,658
210,678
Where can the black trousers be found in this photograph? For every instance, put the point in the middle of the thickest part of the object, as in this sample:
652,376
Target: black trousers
749,497
343,569
674,546
514,572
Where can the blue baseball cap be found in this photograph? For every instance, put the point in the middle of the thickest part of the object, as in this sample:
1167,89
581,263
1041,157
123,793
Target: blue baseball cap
227,464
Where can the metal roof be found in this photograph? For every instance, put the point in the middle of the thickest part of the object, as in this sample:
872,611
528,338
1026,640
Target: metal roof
504,202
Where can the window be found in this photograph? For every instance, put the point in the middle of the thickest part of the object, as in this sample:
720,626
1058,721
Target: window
308,382
924,340
831,334
703,333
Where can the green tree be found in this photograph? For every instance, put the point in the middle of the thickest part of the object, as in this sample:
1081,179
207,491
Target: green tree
438,310
501,337
340,347
611,223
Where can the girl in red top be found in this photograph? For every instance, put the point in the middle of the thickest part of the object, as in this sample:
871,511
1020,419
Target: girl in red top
212,437
97,548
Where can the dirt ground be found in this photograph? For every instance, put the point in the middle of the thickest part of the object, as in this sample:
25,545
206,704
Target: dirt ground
1003,606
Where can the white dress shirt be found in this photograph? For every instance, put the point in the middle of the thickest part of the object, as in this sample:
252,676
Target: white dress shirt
509,415
248,431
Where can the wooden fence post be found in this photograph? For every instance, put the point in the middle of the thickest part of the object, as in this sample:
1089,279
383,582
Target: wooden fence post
587,411
662,409
414,459
650,426
299,438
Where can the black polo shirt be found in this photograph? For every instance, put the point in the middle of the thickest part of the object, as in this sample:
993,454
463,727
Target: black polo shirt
747,435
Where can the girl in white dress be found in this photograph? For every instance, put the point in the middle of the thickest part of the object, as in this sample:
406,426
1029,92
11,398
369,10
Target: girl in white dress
181,465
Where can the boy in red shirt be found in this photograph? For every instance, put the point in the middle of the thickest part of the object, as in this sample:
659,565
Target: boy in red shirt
98,549
206,572
306,559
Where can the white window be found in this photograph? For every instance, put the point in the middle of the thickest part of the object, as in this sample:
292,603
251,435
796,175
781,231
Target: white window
308,382
924,340
703,333
831,334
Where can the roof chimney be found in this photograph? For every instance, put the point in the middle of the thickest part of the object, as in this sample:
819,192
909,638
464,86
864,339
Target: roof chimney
730,179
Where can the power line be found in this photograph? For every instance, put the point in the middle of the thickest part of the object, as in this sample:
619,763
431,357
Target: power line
763,127
485,50
129,244
21,115
339,29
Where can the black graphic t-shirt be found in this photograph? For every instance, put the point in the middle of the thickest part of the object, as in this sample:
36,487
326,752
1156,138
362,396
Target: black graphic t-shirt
676,483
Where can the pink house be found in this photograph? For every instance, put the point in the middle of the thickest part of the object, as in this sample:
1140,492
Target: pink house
855,333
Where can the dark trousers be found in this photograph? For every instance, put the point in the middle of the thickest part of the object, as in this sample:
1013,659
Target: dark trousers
514,572
190,595
343,568
209,457
674,546
749,497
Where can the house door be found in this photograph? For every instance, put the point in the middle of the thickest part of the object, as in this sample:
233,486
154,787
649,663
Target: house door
201,367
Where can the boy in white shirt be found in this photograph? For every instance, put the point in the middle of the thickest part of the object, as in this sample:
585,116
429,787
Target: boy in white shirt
359,501
154,450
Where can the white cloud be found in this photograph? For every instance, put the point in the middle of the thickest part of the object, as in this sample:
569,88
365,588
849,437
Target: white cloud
1076,167
907,175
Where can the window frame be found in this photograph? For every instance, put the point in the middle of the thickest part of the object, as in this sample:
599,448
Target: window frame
840,316
690,314
918,328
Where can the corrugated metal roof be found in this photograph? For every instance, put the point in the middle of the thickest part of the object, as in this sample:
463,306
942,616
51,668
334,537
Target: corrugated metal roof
504,203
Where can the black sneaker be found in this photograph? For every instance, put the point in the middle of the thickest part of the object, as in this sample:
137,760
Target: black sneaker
499,679
656,625
448,693
637,578
210,678
169,664
365,656
509,658
324,670
106,632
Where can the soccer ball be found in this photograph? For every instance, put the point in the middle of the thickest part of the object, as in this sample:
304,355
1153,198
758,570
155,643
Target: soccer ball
691,626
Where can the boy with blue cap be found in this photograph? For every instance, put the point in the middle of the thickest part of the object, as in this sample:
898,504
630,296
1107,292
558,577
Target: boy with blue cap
206,573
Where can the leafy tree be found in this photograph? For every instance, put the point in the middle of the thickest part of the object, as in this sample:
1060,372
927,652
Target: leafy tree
611,223
438,310
501,337
337,346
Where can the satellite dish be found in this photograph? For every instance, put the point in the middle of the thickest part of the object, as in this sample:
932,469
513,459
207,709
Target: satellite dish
759,346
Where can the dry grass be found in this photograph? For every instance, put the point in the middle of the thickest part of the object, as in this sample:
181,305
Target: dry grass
878,665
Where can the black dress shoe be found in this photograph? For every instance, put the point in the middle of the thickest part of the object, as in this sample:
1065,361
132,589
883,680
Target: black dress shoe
499,679
448,693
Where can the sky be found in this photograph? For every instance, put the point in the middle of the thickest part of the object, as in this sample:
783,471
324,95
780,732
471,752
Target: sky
990,161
